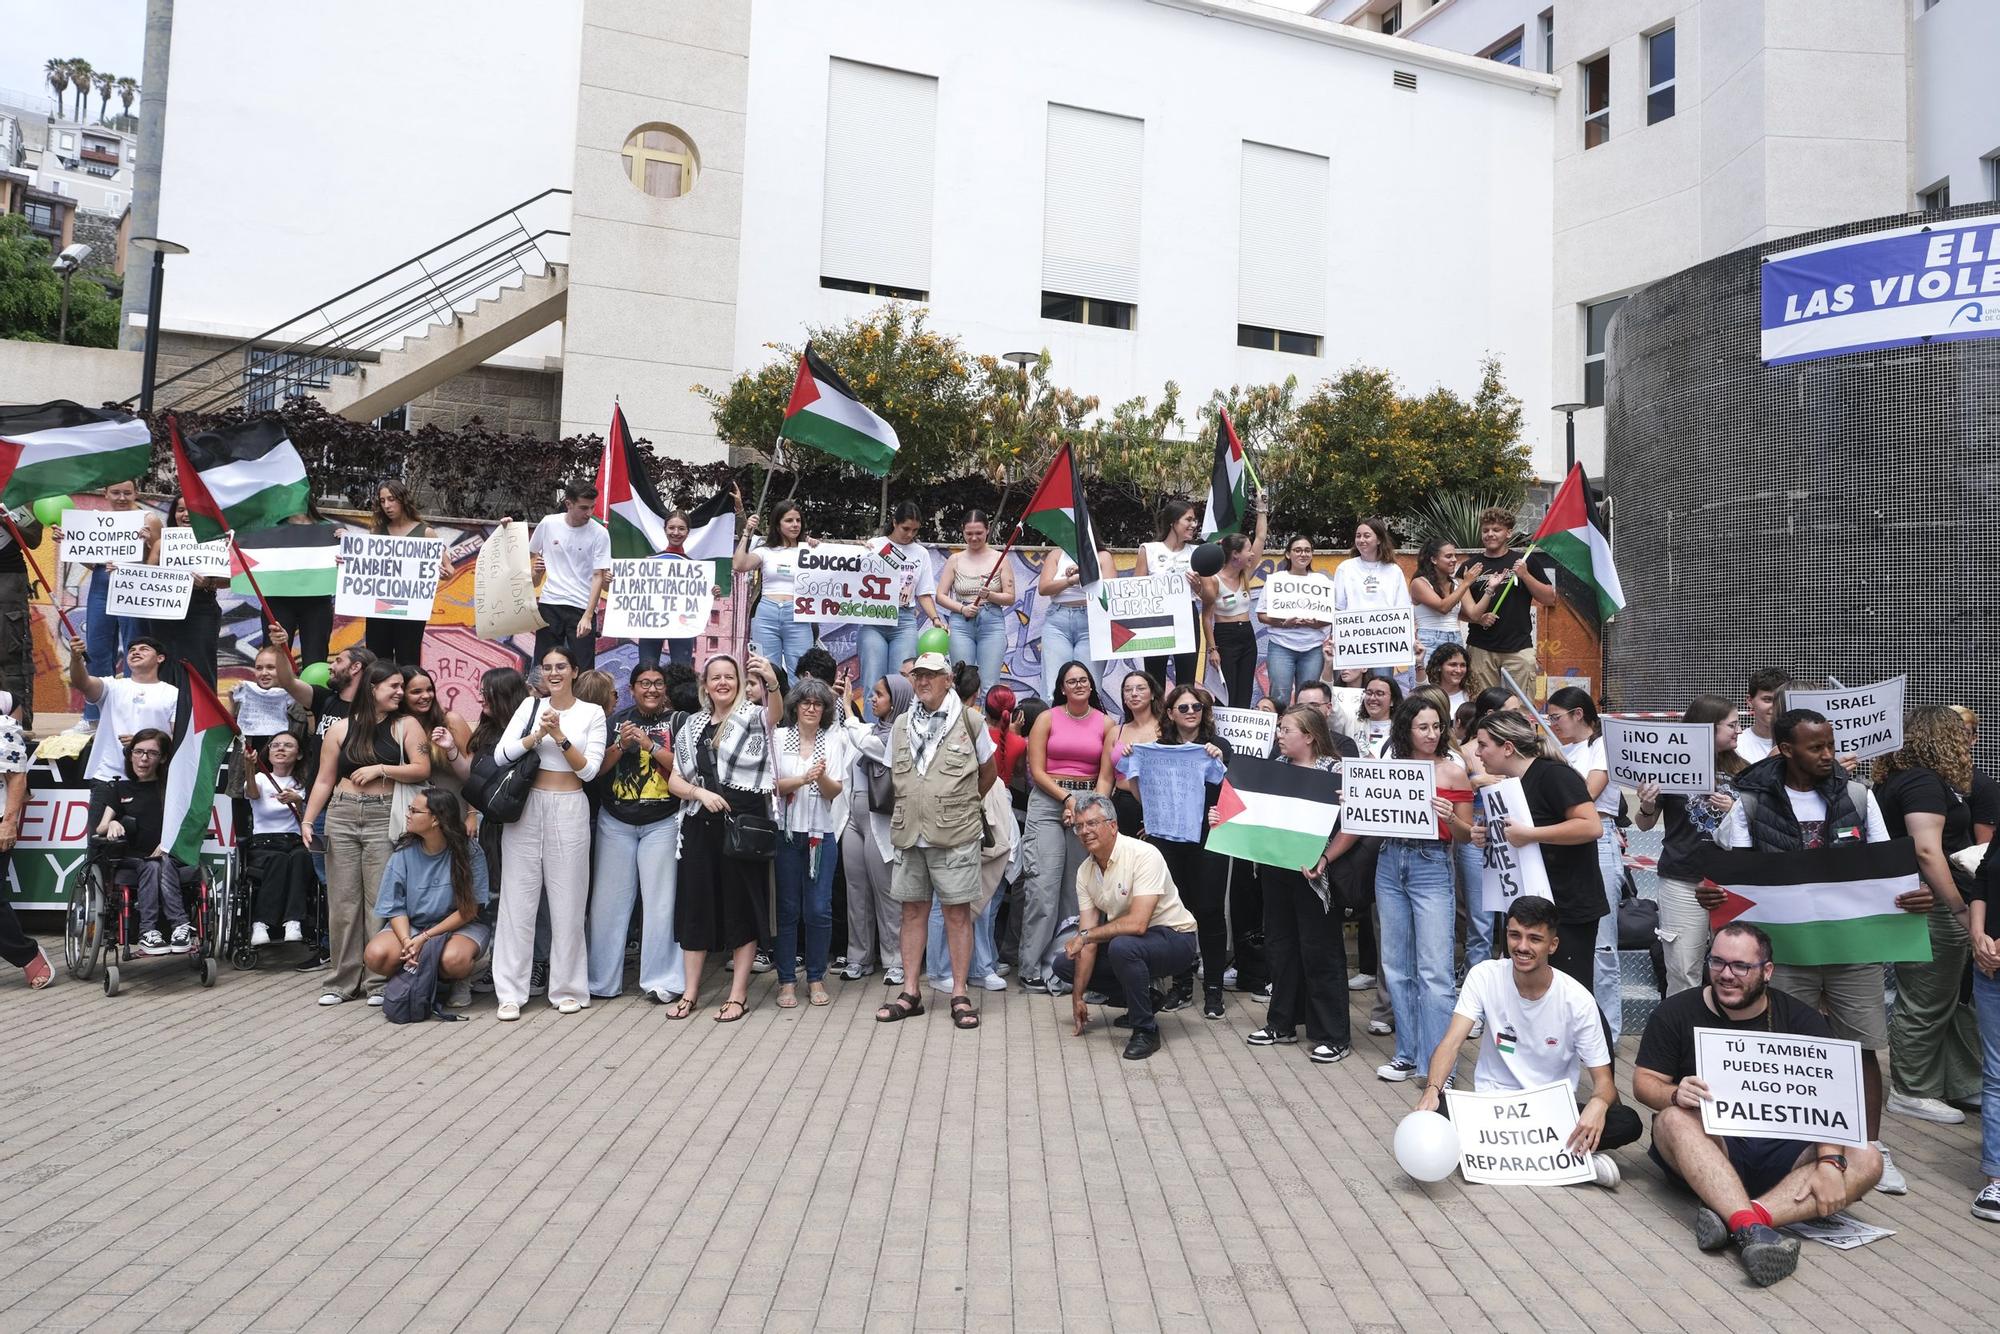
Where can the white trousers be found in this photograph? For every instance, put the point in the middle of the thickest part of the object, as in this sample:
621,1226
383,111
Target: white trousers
546,851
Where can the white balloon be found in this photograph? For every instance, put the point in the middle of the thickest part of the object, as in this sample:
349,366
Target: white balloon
1427,1146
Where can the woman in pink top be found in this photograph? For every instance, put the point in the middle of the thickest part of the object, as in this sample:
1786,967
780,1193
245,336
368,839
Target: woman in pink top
1069,753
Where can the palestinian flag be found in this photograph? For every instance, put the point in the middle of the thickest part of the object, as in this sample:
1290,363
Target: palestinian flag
202,732
1228,496
1830,905
292,560
1136,636
1057,512
238,477
60,448
1571,538
825,414
712,528
628,505
1274,813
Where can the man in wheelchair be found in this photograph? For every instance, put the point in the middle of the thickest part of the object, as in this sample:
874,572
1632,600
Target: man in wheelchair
133,811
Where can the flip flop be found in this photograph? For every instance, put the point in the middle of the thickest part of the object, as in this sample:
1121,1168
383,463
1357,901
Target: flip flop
722,1015
818,996
680,1008
41,972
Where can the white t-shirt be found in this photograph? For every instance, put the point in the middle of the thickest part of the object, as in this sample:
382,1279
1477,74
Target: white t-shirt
127,707
780,565
1530,1043
268,815
1064,567
261,712
572,554
912,561
1298,638
1751,748
1366,585
1457,701
1808,808
1586,756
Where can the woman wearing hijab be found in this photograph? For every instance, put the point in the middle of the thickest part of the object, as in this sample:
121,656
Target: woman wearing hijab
874,918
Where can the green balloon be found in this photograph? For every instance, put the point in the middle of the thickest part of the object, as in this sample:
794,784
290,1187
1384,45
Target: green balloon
934,640
315,675
49,510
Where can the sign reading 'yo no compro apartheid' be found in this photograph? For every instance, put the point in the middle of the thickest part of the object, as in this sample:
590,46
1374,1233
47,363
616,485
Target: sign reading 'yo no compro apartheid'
103,537
1680,757
1388,798
390,578
1781,1086
1867,720
1929,283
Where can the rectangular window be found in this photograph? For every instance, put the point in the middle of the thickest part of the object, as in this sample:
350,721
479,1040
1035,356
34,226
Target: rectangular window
1660,76
1392,20
1508,52
1991,164
1597,327
1277,340
69,141
40,215
875,203
1282,241
270,377
1548,22
1088,310
1596,101
1936,199
1090,213
873,289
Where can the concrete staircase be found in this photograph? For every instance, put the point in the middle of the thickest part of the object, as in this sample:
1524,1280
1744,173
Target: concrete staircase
473,336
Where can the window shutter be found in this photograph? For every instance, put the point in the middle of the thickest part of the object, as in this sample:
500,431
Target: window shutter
1090,213
1282,244
881,147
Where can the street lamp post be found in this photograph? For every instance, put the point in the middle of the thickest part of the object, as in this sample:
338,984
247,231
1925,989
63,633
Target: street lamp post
1022,360
161,249
1569,411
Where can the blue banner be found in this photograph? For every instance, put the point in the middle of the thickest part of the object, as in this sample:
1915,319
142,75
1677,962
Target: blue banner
1886,289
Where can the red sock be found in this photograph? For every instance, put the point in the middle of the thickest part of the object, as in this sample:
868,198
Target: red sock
1743,1218
1763,1214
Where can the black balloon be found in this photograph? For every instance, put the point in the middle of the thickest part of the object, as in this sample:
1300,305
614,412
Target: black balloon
1207,559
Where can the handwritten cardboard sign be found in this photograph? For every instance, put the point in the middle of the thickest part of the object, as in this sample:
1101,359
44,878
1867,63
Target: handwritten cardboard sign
103,537
503,586
389,578
1680,757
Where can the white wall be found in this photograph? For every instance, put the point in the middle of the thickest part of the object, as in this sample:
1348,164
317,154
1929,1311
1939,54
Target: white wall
1957,114
1472,26
309,147
1439,226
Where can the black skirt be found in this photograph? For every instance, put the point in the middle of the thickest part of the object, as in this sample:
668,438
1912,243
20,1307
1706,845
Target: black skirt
719,902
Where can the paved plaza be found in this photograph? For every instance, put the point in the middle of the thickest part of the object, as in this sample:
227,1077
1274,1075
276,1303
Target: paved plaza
241,1159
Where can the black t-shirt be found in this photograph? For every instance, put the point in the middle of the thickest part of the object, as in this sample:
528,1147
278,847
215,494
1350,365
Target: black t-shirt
1515,629
141,808
1986,887
1691,825
1985,801
1553,789
1923,791
1667,1047
328,708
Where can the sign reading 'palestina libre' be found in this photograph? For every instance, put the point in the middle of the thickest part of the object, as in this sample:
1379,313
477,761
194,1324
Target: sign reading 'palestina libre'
1922,284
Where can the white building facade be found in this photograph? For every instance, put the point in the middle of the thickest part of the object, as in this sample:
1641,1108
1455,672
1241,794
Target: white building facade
92,164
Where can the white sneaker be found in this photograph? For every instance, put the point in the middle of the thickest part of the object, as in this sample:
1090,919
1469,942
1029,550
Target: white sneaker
1228,978
333,998
508,1012
1892,1182
568,1005
292,933
1923,1109
1396,1071
259,934
1478,1030
991,982
1606,1170
1380,1028
892,977
375,1001
1361,982
183,940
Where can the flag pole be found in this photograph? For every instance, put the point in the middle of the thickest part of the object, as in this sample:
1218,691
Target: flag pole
40,578
263,603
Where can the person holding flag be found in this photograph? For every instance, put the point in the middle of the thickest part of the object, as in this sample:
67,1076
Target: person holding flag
1500,631
1057,511
641,526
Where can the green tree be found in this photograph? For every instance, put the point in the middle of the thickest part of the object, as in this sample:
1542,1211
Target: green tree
79,79
31,294
128,88
1025,417
56,70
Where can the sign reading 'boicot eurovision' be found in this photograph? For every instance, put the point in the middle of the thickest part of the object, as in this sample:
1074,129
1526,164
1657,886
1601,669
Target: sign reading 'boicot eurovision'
1678,757
1781,1086
1867,720
837,582
1518,1138
660,597
1388,798
390,578
1297,597
1929,283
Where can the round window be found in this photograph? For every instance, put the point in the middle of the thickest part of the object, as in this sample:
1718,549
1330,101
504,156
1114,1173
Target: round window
661,161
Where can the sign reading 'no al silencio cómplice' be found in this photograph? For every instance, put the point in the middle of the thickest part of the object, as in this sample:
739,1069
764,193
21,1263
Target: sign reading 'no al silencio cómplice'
1680,757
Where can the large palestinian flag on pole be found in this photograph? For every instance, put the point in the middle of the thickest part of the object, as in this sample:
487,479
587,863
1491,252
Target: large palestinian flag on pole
60,448
202,731
628,504
1057,512
292,560
1828,906
238,477
1275,813
1228,494
1569,536
827,415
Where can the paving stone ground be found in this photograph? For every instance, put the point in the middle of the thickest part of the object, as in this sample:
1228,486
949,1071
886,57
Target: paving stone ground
241,1159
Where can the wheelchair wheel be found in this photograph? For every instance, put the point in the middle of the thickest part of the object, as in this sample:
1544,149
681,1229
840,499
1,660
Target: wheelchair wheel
111,980
244,959
220,893
208,972
83,926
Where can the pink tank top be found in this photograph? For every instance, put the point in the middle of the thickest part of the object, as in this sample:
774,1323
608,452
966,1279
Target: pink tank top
1076,745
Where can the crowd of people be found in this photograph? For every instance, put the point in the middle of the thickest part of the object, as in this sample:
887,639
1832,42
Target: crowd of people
918,818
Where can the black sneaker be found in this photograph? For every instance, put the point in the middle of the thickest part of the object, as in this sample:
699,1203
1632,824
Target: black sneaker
538,980
1211,1003
1179,997
1270,1037
1327,1055
313,962
763,963
1767,1254
1143,1043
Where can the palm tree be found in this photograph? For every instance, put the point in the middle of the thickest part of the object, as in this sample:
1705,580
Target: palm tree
103,81
56,71
79,79
128,88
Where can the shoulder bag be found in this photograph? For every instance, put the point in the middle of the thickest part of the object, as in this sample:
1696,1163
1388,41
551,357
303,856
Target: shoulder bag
748,836
500,791
400,794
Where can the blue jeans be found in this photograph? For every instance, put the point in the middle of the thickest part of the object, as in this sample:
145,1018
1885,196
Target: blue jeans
1413,895
1607,984
105,638
780,638
1430,640
882,651
1291,668
985,957
1065,635
1986,1000
677,650
802,890
980,640
1471,887
635,861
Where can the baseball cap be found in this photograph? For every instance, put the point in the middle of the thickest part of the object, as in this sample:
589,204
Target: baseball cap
931,662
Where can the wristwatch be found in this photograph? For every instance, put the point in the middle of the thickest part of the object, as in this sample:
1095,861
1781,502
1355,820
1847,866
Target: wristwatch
1839,1160
564,744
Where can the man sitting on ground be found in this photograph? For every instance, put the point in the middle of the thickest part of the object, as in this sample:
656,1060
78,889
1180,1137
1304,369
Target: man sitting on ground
1539,1024
1748,1187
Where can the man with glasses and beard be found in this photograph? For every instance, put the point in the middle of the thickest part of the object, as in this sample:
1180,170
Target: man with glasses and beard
1748,1187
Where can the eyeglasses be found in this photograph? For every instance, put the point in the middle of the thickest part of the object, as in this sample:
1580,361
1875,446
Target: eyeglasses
147,753
1097,822
1733,967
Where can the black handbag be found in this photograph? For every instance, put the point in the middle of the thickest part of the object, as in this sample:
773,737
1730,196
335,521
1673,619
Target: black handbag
500,791
749,837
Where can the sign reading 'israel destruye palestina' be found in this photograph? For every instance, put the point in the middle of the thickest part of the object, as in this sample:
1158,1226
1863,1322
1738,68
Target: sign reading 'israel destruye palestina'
1884,289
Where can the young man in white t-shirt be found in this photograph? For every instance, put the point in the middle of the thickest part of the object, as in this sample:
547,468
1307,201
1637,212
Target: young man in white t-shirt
125,704
571,554
1540,1024
1754,742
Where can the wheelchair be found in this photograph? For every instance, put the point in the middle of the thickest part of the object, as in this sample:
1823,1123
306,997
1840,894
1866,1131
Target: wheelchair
102,921
235,943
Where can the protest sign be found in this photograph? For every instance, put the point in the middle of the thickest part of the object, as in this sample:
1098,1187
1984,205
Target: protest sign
1388,798
1385,637
1508,872
1297,597
1140,616
1780,1086
149,593
837,582
503,585
1842,1231
103,537
1518,1138
660,597
1680,757
179,551
390,578
1248,731
1867,720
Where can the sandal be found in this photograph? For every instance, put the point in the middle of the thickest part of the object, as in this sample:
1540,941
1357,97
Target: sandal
788,997
818,995
722,1015
962,1013
41,972
904,1006
681,1008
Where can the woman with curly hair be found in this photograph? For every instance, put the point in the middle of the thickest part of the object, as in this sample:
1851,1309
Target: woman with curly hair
1923,790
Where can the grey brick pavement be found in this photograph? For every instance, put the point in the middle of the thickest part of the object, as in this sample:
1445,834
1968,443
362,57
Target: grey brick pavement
240,1159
